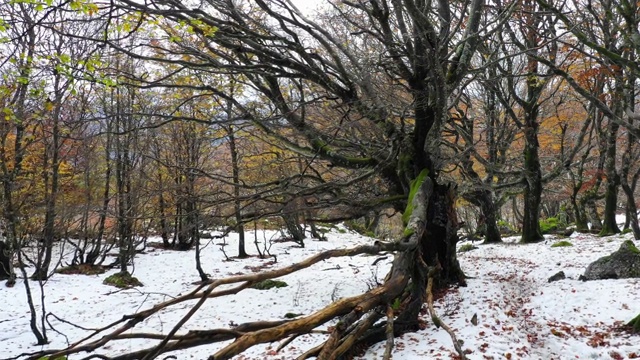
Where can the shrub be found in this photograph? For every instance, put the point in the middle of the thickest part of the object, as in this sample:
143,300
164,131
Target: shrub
269,284
631,246
551,224
122,280
562,243
505,227
467,247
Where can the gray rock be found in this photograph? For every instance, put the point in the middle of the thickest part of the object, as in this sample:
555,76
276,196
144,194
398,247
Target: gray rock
623,263
558,276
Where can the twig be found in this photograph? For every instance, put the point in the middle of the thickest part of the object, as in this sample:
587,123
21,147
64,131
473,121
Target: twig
434,317
313,352
389,332
378,260
287,342
337,267
69,322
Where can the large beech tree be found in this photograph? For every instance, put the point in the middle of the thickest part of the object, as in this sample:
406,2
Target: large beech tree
387,71
354,57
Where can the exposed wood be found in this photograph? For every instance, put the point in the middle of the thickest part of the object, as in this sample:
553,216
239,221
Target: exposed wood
436,320
389,330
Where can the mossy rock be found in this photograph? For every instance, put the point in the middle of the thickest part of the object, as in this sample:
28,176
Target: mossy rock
122,280
506,229
629,245
50,358
467,247
622,264
562,243
551,225
269,284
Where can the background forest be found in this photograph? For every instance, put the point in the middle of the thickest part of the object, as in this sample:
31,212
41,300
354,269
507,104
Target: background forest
414,121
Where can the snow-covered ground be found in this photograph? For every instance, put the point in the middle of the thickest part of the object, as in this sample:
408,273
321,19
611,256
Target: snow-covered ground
520,315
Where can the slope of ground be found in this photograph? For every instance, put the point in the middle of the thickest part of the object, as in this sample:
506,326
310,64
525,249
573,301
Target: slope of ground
519,314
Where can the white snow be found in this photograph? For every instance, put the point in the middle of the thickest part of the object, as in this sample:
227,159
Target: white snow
520,315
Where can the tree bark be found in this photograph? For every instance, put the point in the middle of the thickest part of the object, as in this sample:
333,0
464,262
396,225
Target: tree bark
235,171
492,232
632,211
609,224
533,188
51,180
592,214
5,261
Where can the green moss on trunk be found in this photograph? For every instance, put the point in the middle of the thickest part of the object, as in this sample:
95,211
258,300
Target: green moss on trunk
635,324
415,185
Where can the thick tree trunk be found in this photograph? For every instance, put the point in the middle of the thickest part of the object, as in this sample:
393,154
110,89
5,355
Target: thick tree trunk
628,183
235,170
632,211
582,225
484,199
489,213
5,261
592,214
45,252
609,225
533,188
295,230
51,181
441,236
11,231
488,207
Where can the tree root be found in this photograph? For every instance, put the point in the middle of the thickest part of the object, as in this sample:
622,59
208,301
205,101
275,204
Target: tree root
434,317
390,337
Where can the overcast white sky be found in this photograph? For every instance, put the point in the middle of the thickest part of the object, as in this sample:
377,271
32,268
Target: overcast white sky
307,6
